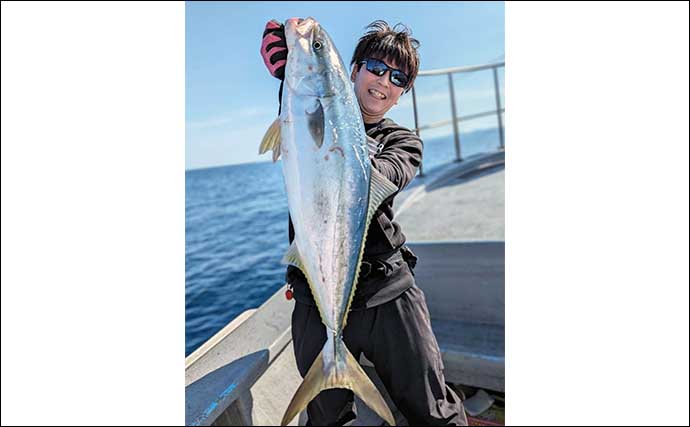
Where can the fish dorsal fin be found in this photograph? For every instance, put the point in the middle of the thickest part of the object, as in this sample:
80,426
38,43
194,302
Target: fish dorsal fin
381,189
271,140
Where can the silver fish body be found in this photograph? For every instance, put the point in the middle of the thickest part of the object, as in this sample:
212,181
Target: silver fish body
333,191
327,184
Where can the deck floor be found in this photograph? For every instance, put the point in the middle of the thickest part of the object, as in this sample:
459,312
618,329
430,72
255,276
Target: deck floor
460,205
467,203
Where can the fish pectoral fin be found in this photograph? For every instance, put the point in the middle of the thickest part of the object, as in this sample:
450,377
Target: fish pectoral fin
271,140
381,189
293,257
316,122
321,377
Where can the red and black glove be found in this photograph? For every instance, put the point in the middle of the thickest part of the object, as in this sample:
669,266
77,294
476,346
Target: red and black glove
274,49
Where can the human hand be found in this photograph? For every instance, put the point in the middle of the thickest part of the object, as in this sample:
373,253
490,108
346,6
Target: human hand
274,49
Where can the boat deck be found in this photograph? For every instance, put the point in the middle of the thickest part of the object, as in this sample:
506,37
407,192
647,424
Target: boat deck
453,219
463,201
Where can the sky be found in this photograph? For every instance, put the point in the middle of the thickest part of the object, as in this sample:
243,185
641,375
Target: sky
231,99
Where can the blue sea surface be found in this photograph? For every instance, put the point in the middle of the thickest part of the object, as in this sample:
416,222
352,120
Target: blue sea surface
236,220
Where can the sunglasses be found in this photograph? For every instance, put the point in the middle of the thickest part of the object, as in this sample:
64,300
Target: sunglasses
379,68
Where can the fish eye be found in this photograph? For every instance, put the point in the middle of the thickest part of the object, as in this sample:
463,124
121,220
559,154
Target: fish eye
317,45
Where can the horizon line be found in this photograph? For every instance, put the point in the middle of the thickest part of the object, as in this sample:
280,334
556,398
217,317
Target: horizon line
269,160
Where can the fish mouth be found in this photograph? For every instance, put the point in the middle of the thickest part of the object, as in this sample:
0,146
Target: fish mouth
377,94
300,33
301,27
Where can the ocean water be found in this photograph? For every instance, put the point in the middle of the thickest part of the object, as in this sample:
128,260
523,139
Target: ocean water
236,220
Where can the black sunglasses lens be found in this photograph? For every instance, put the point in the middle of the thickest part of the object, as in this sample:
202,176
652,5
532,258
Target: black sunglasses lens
379,68
399,79
376,67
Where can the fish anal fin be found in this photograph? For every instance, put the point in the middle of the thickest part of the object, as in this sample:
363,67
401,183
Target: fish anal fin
293,257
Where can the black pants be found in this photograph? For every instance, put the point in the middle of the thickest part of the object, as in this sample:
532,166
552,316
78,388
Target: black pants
397,338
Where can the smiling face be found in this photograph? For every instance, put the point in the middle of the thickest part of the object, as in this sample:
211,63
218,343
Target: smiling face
376,94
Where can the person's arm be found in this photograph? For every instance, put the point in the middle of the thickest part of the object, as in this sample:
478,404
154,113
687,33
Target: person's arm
400,157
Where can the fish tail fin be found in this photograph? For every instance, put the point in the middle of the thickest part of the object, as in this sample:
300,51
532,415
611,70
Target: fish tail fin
343,371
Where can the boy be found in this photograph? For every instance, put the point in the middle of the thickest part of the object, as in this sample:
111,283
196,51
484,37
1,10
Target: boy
389,319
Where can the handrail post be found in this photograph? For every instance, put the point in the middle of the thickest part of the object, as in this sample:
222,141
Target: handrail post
456,133
416,125
498,106
455,118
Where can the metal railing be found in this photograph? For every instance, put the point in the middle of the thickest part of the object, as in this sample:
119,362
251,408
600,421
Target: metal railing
455,119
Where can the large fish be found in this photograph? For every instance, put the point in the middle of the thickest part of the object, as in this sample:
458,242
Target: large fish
333,192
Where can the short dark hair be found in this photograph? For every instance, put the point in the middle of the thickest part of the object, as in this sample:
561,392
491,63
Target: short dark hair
396,44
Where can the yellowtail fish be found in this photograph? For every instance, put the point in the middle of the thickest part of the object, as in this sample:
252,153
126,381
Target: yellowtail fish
333,193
